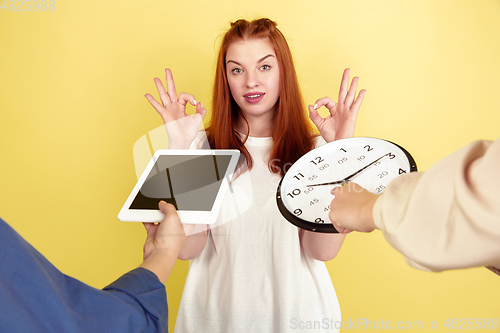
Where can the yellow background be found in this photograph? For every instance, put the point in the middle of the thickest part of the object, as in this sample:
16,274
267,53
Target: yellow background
72,85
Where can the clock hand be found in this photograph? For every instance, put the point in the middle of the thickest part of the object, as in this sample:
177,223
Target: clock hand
346,179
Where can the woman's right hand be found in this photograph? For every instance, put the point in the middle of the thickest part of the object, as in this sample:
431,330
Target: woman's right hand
181,127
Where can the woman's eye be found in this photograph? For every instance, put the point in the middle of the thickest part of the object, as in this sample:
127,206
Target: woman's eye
265,67
236,71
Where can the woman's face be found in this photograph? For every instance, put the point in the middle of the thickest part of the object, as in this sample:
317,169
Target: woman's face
253,76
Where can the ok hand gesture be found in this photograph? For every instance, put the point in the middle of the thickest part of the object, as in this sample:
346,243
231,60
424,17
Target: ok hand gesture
340,123
181,127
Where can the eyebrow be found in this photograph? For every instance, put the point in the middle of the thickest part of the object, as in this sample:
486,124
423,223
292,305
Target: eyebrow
258,61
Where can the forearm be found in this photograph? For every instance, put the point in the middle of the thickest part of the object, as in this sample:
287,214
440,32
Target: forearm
321,246
161,263
447,217
194,246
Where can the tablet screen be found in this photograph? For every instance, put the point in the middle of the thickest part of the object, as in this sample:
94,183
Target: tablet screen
187,182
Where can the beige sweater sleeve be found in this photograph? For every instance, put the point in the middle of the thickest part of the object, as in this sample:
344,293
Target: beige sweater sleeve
449,216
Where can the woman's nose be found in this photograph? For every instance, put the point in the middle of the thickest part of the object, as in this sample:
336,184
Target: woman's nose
252,80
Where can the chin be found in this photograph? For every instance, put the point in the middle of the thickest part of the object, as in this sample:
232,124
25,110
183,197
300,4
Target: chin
256,111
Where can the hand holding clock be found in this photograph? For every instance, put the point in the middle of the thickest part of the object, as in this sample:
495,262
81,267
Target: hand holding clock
352,208
340,123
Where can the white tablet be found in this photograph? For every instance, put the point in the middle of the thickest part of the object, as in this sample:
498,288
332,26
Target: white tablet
193,180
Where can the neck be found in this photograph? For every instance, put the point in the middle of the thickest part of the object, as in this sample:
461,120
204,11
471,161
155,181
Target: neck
260,126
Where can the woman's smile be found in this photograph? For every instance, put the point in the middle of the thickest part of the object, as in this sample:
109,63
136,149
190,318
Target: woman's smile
254,97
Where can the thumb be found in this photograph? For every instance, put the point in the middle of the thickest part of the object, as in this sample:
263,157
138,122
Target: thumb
163,206
167,208
314,115
200,109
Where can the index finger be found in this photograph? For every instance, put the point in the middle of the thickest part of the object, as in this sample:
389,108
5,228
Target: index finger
336,189
326,102
149,226
172,93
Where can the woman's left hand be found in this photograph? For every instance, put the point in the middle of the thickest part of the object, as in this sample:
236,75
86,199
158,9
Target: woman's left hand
340,123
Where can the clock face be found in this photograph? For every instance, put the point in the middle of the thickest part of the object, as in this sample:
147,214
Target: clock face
303,195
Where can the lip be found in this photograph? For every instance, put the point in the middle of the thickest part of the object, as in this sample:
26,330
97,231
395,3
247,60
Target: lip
254,97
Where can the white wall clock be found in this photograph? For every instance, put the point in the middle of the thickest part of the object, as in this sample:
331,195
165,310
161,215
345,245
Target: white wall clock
303,195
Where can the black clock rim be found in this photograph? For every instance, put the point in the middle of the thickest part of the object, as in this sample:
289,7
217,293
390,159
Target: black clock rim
411,160
327,228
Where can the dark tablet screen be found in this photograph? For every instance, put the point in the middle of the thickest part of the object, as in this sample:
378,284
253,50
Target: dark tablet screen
188,182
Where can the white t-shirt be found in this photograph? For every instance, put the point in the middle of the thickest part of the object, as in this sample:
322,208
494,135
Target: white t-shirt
253,275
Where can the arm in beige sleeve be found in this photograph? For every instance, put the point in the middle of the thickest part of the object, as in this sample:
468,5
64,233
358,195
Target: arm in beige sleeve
449,216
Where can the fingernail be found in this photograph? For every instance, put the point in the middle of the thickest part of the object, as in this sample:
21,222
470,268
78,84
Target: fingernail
315,106
201,105
195,102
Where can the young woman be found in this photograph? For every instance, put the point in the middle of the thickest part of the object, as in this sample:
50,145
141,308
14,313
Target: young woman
255,272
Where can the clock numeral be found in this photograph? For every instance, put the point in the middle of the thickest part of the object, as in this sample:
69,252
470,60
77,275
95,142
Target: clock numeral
294,193
317,160
344,159
345,151
297,212
313,201
377,163
324,166
401,171
362,157
319,220
380,188
368,148
309,189
383,174
327,208
297,176
391,156
313,177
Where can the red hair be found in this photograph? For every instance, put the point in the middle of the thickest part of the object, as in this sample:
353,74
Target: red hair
292,133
